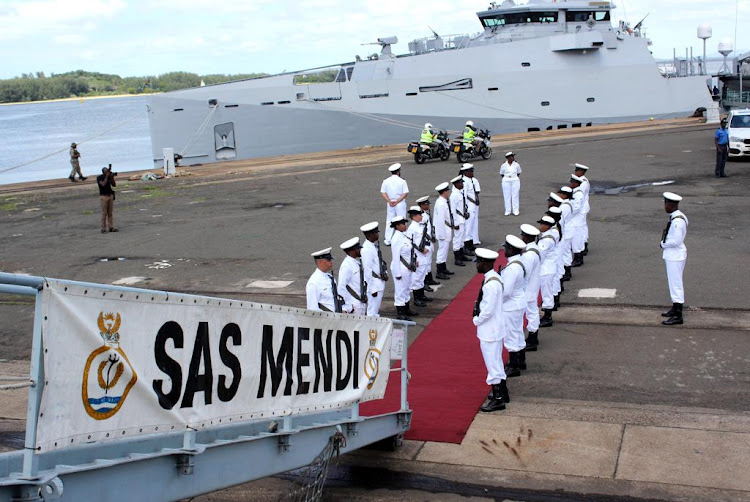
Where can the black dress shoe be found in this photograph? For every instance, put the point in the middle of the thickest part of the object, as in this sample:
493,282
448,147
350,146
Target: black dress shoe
723,176
428,289
419,303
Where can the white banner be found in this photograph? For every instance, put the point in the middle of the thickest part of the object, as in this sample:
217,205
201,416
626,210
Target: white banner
121,364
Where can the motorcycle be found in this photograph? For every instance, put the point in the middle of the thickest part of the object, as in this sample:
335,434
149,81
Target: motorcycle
423,152
466,151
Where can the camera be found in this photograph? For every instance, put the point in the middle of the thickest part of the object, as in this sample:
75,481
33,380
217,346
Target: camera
110,170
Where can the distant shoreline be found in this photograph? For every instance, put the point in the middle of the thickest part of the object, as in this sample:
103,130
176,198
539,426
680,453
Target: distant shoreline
81,98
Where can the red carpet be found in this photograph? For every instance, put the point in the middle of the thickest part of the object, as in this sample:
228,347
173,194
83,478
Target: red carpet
448,376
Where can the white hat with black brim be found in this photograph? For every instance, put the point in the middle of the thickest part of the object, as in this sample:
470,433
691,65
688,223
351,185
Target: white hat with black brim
672,197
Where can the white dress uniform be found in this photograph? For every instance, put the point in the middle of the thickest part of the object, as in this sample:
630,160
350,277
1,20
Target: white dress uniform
419,232
490,326
471,190
511,185
577,220
427,220
586,187
531,259
404,256
444,223
675,253
353,285
566,252
375,274
394,186
547,245
321,290
514,303
460,207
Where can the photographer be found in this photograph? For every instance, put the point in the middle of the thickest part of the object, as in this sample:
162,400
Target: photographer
106,181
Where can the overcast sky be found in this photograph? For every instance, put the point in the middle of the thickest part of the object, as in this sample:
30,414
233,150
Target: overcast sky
133,37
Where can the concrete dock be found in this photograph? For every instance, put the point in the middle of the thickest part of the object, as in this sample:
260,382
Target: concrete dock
614,405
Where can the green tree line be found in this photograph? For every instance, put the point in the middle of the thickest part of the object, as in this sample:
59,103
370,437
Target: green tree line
80,83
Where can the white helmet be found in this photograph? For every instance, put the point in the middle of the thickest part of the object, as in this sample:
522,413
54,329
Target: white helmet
469,123
428,126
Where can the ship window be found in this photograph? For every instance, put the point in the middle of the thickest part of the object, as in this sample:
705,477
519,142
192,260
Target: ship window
300,96
533,129
492,88
231,106
283,102
349,72
562,126
525,64
545,103
583,16
577,124
519,18
267,103
411,93
178,109
341,77
590,100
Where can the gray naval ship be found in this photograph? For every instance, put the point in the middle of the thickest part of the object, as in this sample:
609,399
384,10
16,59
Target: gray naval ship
536,66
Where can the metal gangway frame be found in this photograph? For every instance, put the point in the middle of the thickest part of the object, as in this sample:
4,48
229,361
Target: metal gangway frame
181,464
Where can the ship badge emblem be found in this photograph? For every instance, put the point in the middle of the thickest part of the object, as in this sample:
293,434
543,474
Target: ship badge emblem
372,360
108,375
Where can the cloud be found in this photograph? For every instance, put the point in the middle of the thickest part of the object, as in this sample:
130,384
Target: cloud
21,19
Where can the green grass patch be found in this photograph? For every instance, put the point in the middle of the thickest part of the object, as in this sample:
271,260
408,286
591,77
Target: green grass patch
8,205
155,192
88,211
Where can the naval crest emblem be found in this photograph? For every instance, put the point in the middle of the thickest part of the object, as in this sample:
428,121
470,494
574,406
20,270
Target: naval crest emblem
108,375
372,359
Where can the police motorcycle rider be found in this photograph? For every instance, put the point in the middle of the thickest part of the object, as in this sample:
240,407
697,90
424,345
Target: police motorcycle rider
470,135
429,137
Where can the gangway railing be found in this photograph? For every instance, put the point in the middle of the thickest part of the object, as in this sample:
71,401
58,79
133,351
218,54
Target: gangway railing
179,463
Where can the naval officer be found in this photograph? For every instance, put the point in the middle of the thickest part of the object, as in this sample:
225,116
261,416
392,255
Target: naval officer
674,254
460,207
419,234
375,269
394,190
510,173
514,304
352,277
531,259
581,171
577,220
424,205
471,190
547,243
444,226
403,264
488,318
322,291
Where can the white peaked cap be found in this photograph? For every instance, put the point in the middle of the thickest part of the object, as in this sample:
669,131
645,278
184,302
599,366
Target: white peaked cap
369,227
457,179
566,189
320,253
399,219
442,186
672,197
415,209
515,242
530,230
486,254
426,198
354,241
555,210
395,167
555,197
576,178
547,219
467,167
509,154
582,167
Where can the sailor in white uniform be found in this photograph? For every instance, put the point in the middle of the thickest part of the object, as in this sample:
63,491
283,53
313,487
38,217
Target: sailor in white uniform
471,190
566,217
531,259
514,303
424,205
322,291
547,242
488,318
674,254
394,190
352,277
510,173
460,207
553,202
375,268
419,234
577,220
444,227
403,264
580,171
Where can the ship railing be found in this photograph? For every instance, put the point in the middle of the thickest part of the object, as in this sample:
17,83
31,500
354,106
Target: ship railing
177,464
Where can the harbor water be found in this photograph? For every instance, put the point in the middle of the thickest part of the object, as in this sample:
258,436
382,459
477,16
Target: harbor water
108,131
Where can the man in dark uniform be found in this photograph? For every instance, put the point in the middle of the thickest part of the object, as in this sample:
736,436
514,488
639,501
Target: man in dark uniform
721,140
106,181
